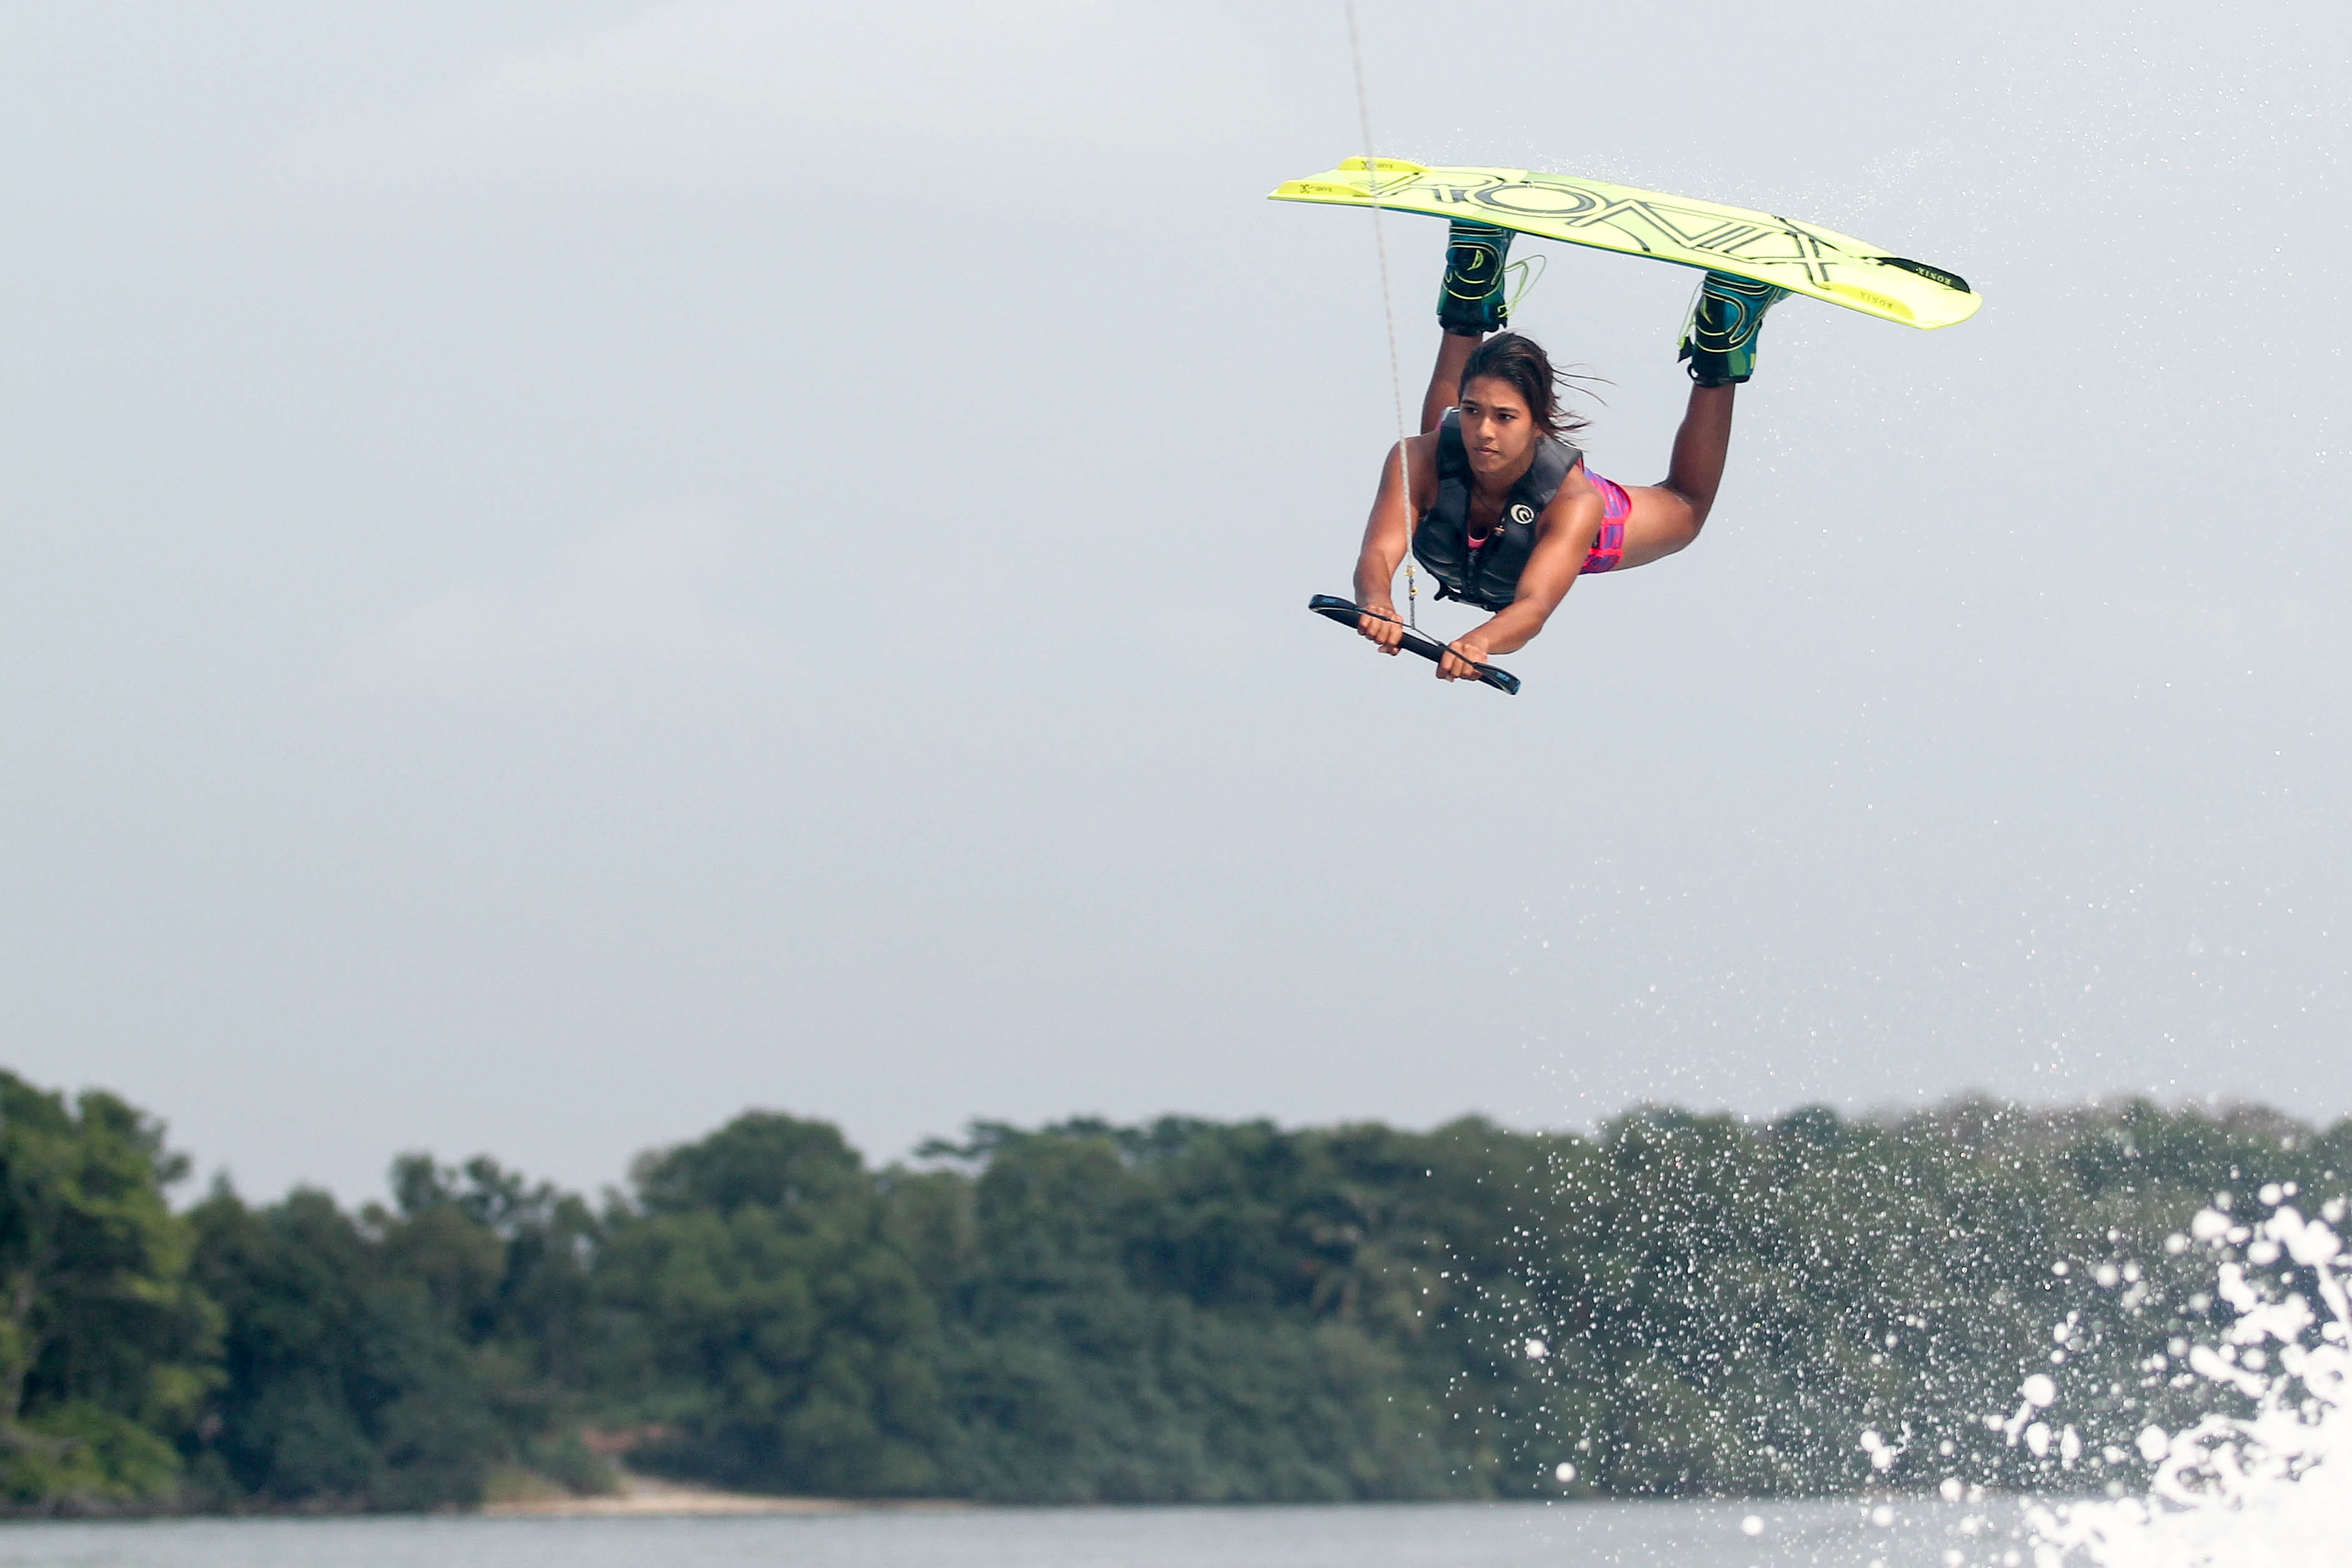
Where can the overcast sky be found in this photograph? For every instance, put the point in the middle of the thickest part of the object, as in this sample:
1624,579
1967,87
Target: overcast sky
566,569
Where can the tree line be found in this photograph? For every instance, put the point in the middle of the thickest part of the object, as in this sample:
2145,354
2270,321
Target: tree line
1083,1312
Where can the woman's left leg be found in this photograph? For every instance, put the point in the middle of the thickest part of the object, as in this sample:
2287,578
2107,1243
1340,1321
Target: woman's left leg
1666,516
1721,348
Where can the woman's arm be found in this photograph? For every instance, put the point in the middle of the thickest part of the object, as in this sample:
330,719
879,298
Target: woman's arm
1564,537
1445,378
1388,534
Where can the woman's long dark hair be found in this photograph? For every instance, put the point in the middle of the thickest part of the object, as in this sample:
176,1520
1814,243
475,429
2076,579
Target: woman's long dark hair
1521,363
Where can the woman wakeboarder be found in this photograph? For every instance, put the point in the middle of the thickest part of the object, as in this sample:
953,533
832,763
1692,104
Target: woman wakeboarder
1499,506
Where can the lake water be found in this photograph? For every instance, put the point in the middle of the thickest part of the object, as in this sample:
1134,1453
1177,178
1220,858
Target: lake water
1682,1534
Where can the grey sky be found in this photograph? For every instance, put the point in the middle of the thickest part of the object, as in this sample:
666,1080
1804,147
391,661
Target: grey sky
566,569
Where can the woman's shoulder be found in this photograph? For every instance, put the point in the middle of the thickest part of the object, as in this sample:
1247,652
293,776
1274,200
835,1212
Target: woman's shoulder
1571,456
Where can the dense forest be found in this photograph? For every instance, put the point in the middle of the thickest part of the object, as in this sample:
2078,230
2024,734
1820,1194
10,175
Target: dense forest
1088,1312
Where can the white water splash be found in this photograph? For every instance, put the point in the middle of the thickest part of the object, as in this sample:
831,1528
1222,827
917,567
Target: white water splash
2274,1487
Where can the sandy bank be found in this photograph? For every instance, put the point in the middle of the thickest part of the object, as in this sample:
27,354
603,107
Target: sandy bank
650,1497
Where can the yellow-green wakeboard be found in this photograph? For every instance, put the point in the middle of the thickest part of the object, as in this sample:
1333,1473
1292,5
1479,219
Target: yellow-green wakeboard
1794,255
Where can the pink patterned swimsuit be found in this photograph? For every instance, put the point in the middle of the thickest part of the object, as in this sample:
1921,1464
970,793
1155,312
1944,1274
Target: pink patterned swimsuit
1608,545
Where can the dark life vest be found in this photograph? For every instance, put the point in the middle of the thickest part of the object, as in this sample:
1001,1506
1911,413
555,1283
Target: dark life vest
1487,576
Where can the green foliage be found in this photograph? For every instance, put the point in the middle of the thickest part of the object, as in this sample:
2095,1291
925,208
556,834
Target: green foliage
391,1359
754,1305
1732,1306
105,1350
1196,1312
81,1456
1180,1312
346,1388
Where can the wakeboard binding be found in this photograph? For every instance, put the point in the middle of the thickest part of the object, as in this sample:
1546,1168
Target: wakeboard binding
1721,340
1471,302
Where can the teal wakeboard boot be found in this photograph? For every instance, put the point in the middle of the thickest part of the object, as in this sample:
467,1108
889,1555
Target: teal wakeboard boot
1470,302
1720,341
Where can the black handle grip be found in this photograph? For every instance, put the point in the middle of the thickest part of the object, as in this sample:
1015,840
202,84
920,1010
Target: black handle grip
1346,613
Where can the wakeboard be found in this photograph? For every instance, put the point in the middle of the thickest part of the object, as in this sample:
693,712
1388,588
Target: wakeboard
1802,257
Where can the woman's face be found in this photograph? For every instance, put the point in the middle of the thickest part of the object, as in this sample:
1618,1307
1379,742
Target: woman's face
1497,430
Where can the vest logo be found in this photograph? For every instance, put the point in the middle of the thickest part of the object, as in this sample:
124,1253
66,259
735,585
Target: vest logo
1522,513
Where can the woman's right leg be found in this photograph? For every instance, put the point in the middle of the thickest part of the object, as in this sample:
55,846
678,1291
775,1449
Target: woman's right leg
1470,304
1453,350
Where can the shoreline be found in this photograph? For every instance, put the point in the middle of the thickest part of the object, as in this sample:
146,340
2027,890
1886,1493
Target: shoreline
654,1497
